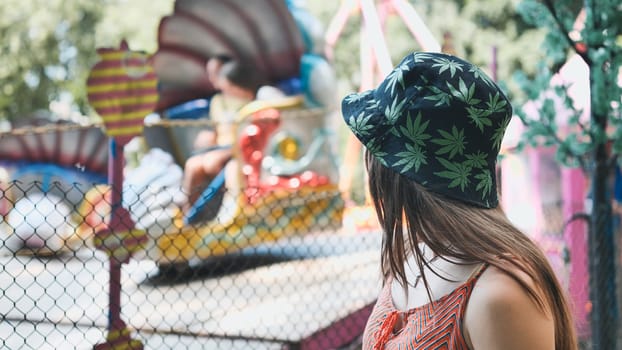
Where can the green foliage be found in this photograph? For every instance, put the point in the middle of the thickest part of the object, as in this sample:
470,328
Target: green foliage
484,24
537,14
42,49
48,47
600,49
135,20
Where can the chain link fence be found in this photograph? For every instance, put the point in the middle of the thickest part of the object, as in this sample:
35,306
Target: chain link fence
284,275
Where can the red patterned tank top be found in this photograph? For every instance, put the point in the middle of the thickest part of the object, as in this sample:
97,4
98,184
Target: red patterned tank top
434,326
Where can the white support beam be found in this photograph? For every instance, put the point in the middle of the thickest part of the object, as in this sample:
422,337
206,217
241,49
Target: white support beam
375,34
415,25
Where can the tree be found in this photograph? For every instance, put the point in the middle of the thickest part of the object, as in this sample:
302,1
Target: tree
48,47
42,50
476,26
593,31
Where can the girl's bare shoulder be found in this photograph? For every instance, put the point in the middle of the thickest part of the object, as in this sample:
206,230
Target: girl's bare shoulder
502,315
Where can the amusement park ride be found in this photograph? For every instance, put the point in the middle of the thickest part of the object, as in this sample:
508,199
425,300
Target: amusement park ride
284,179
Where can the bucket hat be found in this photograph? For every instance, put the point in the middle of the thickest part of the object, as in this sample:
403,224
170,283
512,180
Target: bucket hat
438,120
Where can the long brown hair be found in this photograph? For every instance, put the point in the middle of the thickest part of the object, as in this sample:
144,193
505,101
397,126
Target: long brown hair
462,232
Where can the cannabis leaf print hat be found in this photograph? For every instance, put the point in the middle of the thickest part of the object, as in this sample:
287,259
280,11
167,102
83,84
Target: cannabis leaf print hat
437,120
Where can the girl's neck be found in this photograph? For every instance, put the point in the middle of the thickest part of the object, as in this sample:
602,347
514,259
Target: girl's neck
443,275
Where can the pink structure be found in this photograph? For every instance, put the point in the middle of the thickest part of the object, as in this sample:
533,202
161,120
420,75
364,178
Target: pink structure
525,185
575,236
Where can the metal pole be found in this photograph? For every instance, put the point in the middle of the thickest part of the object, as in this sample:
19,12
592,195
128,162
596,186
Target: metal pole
115,178
118,335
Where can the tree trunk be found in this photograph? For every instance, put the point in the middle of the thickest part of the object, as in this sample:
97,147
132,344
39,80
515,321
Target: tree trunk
604,315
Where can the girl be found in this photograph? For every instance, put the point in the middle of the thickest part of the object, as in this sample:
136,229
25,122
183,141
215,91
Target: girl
457,274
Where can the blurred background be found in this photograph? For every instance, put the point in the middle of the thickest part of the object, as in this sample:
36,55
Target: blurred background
289,258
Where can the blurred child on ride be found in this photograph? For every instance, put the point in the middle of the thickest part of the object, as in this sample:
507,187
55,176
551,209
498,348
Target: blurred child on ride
238,84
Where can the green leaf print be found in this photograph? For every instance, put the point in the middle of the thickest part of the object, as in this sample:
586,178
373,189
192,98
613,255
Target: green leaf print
372,104
458,173
485,182
419,57
479,74
397,76
352,98
360,125
374,148
415,130
395,132
414,156
497,136
453,143
442,97
496,104
444,64
464,93
394,111
480,117
476,160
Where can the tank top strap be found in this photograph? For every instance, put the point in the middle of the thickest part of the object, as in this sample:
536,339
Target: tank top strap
470,284
477,273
